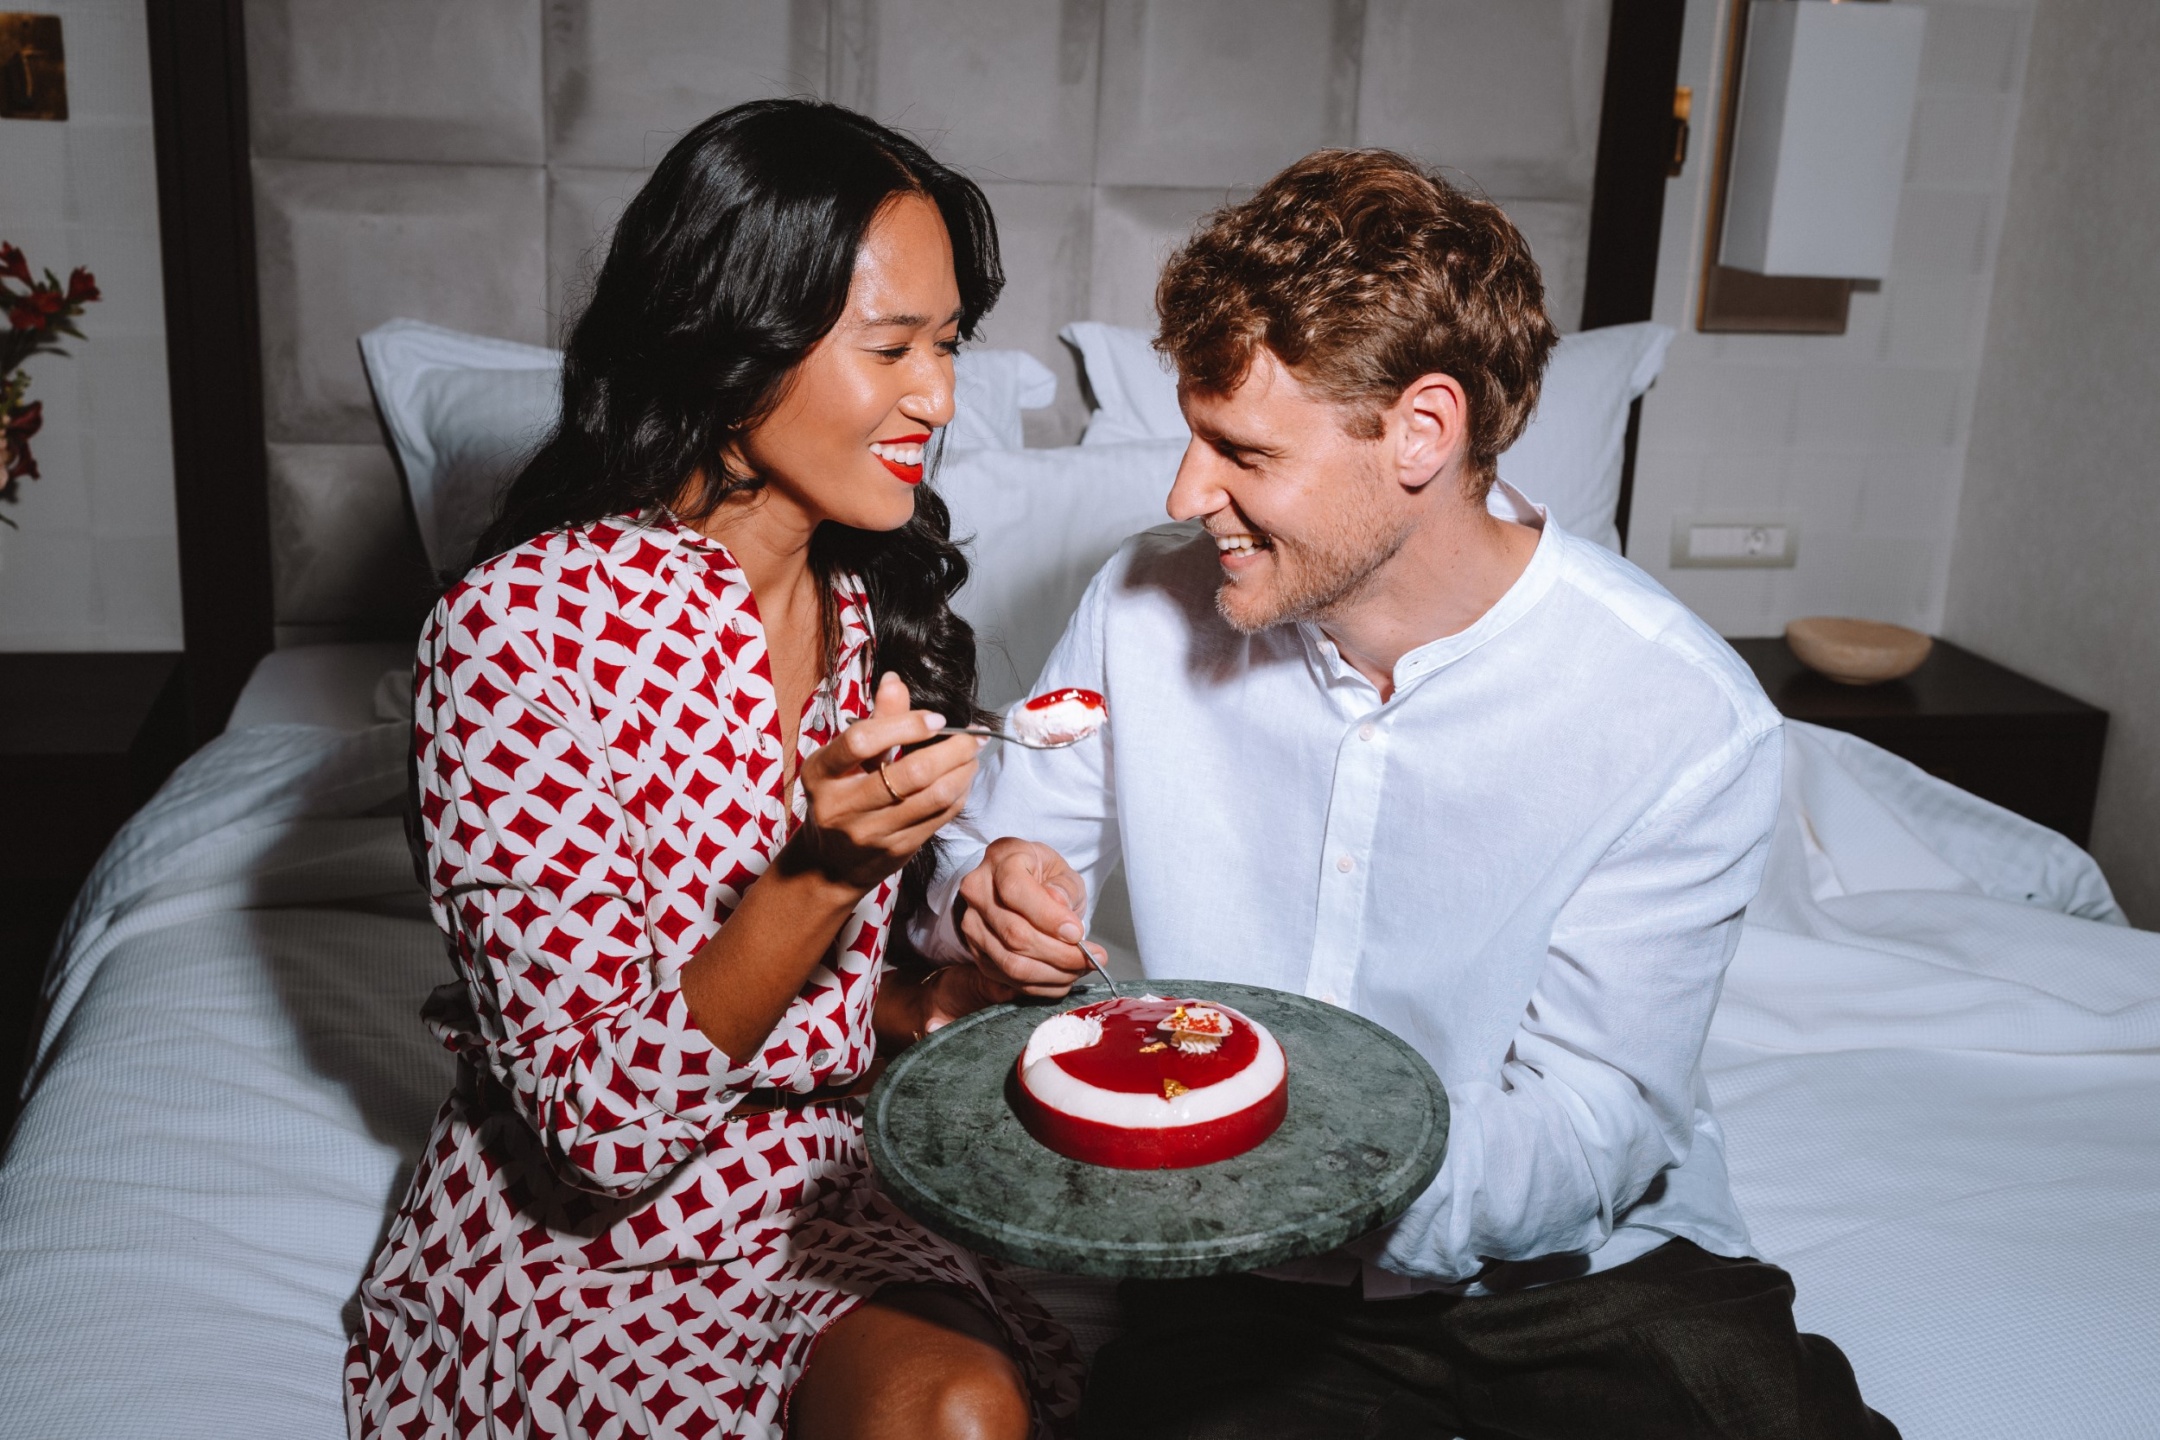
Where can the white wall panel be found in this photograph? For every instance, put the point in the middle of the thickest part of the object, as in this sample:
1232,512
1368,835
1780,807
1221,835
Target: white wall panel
126,412
1558,234
2053,571
1223,92
395,79
1005,89
34,178
1971,48
1960,141
342,248
626,78
342,542
1043,234
1101,129
1507,94
1136,228
583,206
1943,231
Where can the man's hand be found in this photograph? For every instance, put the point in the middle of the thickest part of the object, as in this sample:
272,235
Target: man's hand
1020,917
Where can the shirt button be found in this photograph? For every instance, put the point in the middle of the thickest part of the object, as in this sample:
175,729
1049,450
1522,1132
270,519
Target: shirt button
821,1058
1366,731
1345,864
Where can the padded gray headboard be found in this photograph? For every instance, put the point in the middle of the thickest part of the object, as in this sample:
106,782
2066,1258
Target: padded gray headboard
459,163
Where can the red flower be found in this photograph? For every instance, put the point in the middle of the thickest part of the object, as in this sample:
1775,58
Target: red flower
21,426
12,264
82,287
35,310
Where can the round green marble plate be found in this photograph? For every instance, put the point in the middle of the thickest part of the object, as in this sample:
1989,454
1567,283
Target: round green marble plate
1366,1130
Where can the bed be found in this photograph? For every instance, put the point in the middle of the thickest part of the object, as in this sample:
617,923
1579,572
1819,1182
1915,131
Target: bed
1937,1055
1936,1058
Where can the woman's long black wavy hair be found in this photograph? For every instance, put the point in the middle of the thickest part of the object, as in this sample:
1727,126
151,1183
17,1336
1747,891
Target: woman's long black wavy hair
733,260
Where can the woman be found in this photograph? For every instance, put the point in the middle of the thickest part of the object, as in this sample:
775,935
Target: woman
670,831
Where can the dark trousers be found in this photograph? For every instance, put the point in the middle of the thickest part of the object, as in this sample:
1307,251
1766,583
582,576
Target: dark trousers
1679,1342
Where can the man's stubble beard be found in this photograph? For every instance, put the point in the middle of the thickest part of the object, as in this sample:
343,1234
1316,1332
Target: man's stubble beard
1328,569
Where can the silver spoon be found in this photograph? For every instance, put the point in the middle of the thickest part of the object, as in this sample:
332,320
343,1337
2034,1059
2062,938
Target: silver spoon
984,733
1089,956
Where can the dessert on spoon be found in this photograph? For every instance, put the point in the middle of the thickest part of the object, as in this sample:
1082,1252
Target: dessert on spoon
1052,720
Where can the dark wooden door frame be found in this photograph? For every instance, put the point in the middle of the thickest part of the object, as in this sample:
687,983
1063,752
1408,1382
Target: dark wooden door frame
1627,198
213,348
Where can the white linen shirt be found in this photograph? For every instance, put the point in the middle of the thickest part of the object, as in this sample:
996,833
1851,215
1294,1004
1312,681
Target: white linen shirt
1530,863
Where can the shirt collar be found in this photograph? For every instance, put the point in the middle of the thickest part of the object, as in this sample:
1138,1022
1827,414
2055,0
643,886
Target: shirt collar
1521,597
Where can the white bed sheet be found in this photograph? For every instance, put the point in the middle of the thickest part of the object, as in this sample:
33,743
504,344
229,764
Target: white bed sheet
1940,1100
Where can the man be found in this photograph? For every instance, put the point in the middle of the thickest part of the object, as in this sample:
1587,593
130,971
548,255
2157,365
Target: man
1383,734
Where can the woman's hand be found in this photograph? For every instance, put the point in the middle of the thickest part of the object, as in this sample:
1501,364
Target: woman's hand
871,808
742,980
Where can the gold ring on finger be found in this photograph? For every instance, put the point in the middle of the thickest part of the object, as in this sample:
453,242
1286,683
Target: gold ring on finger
886,781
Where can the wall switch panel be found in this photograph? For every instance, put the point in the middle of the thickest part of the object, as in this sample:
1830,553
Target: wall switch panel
1699,544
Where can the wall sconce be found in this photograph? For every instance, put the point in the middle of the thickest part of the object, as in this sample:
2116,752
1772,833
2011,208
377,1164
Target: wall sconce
1818,115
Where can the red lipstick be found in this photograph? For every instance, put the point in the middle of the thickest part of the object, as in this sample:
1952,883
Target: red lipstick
912,474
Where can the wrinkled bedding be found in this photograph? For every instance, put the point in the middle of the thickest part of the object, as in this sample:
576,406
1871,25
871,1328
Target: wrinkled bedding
1937,1059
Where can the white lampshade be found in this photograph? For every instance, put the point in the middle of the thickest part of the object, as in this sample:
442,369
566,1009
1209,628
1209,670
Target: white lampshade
1825,114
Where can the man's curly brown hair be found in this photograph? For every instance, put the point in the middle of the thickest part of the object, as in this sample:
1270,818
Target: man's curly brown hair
1362,270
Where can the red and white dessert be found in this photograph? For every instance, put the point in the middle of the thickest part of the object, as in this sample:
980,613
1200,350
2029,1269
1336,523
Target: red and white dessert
1152,1084
1058,717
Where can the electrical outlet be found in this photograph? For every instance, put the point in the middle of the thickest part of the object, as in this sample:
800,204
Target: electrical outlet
1699,544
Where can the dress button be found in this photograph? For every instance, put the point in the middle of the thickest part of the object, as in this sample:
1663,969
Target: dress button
821,1058
1366,731
1345,864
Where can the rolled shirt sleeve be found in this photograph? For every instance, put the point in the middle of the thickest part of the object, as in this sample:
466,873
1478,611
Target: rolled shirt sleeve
536,881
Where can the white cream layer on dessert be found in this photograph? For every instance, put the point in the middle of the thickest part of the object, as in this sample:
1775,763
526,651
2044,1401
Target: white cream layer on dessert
1059,1034
1051,1084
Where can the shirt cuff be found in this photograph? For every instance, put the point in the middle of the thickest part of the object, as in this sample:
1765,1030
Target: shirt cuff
932,931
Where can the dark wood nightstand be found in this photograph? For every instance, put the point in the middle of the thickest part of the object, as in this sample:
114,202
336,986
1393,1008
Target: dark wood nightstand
1972,722
84,740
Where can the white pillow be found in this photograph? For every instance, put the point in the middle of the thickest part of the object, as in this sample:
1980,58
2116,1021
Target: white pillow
463,412
1568,459
1570,455
1134,384
990,389
1037,525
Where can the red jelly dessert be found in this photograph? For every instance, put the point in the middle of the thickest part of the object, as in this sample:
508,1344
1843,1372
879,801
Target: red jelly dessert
1152,1084
1058,717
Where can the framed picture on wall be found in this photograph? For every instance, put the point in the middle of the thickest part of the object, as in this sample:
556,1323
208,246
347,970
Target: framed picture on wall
33,67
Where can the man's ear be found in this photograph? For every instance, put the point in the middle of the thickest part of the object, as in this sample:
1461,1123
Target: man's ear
1430,425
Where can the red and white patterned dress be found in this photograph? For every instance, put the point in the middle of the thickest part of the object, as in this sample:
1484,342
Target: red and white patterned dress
590,1246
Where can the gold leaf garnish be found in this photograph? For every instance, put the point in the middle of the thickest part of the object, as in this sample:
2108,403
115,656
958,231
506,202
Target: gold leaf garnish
1171,1089
1151,1049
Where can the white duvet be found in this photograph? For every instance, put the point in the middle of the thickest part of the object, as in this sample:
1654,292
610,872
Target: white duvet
1937,1059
